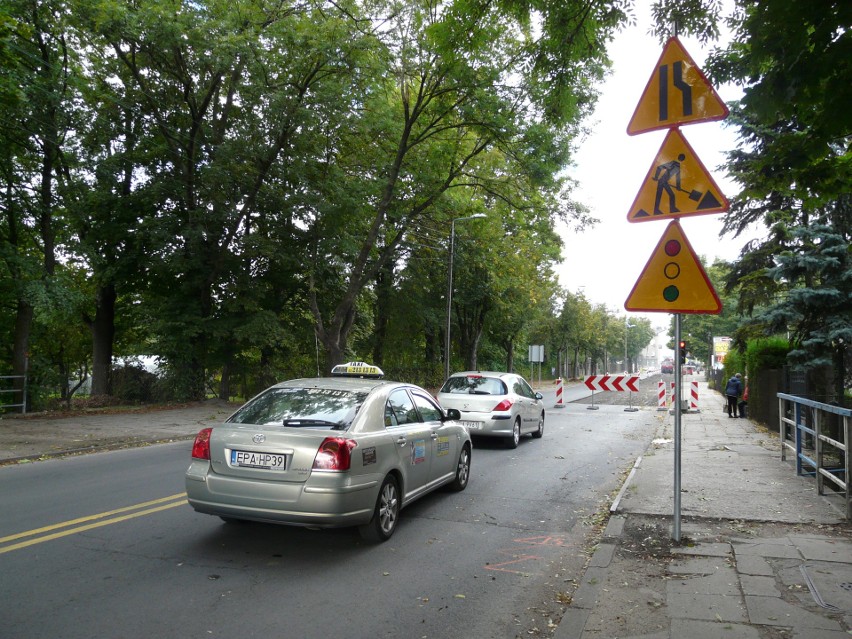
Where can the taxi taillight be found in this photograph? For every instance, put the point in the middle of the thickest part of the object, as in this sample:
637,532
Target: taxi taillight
335,453
201,445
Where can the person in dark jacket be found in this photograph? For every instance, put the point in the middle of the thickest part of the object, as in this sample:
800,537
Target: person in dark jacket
732,391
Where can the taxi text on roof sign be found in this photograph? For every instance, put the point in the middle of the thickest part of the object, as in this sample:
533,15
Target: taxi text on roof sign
677,93
673,280
676,185
357,369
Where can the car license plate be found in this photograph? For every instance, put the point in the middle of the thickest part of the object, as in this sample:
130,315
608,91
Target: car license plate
267,461
471,425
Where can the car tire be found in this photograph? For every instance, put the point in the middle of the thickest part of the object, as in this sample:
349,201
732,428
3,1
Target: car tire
539,432
515,438
385,514
462,470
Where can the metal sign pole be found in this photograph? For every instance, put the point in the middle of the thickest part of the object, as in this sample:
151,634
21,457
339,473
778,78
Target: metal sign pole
677,414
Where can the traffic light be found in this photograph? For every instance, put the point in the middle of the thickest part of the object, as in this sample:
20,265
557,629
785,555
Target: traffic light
682,347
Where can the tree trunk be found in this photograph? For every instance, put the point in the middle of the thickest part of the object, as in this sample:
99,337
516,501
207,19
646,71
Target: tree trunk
334,336
225,382
510,355
334,355
103,334
20,357
470,346
384,292
432,349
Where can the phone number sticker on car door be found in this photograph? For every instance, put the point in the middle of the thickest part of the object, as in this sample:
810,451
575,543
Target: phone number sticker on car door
266,461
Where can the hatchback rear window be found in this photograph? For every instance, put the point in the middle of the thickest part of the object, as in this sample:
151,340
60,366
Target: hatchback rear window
474,385
302,408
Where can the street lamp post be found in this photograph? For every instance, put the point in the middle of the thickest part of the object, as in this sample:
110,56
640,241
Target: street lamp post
447,342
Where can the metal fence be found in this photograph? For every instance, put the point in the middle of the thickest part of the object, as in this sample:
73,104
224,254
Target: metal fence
14,392
818,434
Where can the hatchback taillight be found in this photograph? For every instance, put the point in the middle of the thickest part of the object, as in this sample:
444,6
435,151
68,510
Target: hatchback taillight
201,445
335,453
503,406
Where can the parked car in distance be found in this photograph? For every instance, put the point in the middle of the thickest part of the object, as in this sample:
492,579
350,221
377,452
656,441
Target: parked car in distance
348,450
495,404
667,366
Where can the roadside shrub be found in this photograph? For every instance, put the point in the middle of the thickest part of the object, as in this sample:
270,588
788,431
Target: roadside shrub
133,385
766,354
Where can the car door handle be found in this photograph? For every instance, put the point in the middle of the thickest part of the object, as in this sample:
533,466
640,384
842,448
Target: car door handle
401,441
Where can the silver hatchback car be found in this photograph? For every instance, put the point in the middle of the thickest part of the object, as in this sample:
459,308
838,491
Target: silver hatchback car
329,452
495,404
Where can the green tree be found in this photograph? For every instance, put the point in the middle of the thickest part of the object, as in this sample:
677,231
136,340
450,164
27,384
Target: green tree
232,97
793,62
576,331
698,330
458,106
35,125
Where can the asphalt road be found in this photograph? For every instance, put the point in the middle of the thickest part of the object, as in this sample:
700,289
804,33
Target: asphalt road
104,545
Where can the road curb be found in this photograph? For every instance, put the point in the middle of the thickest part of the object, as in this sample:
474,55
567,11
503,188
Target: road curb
94,448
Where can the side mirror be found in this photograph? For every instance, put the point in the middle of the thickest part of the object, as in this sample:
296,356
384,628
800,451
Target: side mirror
453,413
539,396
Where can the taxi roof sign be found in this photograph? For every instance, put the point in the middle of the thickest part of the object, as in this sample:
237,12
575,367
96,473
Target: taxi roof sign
677,93
357,369
673,280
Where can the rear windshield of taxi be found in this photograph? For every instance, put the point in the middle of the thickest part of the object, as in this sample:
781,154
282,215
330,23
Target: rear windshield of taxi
321,408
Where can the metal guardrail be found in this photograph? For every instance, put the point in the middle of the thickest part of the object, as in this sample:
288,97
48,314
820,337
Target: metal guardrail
22,391
803,430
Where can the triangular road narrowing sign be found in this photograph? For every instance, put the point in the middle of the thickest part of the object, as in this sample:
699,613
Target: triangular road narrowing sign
677,93
676,185
673,280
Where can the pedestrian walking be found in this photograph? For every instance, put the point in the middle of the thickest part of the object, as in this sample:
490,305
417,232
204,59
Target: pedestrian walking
732,391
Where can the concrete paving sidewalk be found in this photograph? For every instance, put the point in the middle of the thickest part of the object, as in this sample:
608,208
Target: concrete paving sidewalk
761,554
38,436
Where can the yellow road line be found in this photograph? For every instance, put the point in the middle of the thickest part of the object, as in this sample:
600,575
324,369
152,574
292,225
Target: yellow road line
107,518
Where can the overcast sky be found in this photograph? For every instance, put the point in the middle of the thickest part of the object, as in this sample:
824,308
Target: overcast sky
606,261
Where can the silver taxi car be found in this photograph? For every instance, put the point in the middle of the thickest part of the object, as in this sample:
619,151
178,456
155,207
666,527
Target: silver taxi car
495,404
348,450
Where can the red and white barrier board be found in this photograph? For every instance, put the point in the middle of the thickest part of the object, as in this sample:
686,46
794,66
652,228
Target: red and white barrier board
612,382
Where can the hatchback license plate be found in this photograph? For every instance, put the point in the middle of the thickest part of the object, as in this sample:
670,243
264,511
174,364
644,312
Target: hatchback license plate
471,425
267,461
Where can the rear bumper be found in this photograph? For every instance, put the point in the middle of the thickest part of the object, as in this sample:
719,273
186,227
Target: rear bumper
329,502
490,426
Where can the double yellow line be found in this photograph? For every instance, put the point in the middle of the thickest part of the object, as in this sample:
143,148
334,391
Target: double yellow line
74,526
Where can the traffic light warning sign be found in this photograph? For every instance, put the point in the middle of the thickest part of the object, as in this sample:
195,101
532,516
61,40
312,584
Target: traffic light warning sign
673,280
677,93
676,185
